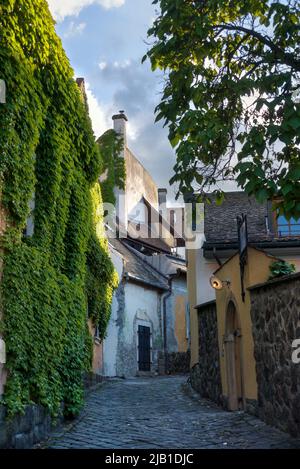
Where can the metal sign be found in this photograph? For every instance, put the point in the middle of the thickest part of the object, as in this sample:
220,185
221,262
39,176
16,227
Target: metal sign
243,244
242,233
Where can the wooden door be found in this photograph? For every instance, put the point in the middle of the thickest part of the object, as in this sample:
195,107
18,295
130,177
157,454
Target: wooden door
144,348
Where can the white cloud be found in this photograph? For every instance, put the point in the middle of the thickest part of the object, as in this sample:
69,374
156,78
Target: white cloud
62,8
124,64
74,29
102,65
132,131
99,114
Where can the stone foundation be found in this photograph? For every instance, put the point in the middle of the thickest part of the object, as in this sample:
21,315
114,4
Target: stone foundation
91,379
161,363
205,375
252,407
24,431
178,362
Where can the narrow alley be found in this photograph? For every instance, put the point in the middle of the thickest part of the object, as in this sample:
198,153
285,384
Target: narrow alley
162,413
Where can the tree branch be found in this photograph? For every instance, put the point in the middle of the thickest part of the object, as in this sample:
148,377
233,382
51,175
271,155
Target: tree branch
285,57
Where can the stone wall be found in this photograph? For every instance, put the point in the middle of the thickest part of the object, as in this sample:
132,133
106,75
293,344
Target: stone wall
24,431
36,424
205,375
275,312
178,362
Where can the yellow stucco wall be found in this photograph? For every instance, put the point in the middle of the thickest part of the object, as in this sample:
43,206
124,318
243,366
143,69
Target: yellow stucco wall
293,260
180,323
256,271
192,298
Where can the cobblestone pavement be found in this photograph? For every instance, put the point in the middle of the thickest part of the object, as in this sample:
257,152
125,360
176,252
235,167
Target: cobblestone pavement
157,413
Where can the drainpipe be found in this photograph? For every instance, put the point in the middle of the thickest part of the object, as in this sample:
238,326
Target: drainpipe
165,298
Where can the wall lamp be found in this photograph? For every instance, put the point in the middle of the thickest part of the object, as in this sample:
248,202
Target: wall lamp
218,284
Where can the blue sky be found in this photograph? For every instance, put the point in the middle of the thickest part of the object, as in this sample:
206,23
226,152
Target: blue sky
105,41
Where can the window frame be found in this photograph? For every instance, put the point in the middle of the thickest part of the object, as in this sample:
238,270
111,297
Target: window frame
289,226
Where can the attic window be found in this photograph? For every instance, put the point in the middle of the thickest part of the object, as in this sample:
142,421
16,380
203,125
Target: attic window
287,228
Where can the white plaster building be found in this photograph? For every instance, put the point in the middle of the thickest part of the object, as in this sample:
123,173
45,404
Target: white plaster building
135,332
149,326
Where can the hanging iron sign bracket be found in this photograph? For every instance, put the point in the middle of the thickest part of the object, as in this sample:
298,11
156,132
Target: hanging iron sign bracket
243,244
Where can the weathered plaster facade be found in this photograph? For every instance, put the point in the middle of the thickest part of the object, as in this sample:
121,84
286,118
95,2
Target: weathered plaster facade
139,183
177,346
110,344
177,319
152,292
134,304
200,291
142,307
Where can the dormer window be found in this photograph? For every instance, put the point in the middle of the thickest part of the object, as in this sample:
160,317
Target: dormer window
287,228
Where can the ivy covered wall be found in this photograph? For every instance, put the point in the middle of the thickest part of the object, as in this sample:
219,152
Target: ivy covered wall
53,280
114,169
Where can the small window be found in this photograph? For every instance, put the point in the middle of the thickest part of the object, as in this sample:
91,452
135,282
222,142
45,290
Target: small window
287,227
29,229
97,340
97,333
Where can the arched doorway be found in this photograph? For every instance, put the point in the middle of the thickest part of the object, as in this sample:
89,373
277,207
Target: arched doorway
233,359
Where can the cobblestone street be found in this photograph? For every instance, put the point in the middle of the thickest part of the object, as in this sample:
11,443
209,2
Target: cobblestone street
158,413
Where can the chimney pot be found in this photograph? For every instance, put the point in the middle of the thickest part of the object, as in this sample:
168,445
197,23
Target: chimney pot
162,196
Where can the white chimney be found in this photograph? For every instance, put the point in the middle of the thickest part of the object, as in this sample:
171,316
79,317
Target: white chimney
162,197
120,123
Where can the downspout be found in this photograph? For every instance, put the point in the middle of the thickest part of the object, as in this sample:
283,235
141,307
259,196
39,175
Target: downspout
165,298
216,257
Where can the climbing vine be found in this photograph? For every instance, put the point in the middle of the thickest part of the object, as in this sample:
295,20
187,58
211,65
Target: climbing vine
101,279
61,274
281,268
111,146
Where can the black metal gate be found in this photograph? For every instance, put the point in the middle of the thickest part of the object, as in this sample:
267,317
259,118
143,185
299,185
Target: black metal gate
144,336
